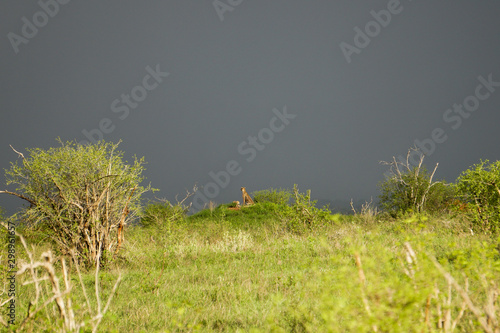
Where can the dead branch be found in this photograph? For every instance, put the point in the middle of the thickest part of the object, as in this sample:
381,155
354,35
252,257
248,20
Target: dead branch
19,153
352,208
20,196
188,194
411,190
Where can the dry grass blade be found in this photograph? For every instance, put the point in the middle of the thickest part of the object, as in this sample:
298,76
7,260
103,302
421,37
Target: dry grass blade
482,319
362,279
43,276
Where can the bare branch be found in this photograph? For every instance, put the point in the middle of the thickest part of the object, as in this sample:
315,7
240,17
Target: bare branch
352,207
20,154
20,196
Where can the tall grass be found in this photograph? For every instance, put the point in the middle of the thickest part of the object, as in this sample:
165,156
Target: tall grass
228,271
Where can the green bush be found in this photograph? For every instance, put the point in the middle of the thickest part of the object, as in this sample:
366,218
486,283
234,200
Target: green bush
279,197
439,198
81,197
162,214
409,186
303,214
479,188
412,191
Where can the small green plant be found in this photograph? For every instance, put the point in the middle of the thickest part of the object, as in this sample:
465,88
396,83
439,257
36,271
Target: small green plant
162,213
277,196
303,214
479,189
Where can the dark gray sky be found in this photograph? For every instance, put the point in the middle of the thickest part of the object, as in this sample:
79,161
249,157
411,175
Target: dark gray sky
358,98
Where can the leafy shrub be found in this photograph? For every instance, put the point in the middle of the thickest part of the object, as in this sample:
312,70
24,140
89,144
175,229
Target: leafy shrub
80,196
279,197
479,189
405,194
303,214
439,197
162,214
408,188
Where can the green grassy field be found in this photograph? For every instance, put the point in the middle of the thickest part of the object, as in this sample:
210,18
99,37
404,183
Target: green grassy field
230,271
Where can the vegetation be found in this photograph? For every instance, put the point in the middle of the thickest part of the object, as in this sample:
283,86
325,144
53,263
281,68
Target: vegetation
227,272
303,214
160,214
277,196
80,197
51,296
479,189
280,265
410,187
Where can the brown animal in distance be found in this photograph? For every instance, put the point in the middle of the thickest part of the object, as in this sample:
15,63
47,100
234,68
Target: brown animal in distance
247,200
236,207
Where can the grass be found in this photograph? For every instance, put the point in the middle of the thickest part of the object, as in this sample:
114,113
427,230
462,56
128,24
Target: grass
229,271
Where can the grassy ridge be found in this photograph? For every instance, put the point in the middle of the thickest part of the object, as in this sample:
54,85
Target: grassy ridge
225,270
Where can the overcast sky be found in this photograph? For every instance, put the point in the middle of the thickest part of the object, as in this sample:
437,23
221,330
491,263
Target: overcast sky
254,93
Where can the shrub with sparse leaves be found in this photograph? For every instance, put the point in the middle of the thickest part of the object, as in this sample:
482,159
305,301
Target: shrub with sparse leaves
161,214
80,196
303,214
408,186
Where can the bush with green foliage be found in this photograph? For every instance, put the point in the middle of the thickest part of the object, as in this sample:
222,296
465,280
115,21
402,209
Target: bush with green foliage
439,197
410,193
479,188
162,214
303,214
410,187
81,197
277,196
